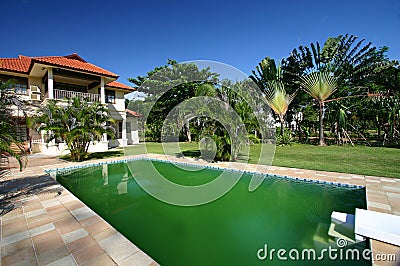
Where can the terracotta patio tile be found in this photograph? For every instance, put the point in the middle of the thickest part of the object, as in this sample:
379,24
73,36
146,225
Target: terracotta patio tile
55,209
104,234
98,227
64,261
67,225
41,222
81,243
13,219
375,192
26,254
357,182
379,210
41,229
374,188
87,253
391,188
31,201
368,177
35,213
377,198
52,255
102,259
50,203
14,228
15,212
91,220
37,218
393,199
393,195
47,241
138,258
75,204
33,207
13,248
74,235
65,214
385,247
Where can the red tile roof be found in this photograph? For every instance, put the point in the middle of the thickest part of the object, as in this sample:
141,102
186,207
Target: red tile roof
116,84
73,61
133,113
22,64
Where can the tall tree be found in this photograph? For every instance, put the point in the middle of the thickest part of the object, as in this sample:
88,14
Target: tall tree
279,101
320,85
168,86
272,81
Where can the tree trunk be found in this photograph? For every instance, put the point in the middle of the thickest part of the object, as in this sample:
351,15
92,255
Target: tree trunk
321,124
282,125
188,134
378,125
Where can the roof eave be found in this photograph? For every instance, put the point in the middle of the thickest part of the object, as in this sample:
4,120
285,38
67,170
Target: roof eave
115,76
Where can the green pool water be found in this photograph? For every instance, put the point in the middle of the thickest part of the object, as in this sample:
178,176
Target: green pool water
282,213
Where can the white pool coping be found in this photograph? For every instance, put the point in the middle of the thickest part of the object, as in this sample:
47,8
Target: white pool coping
379,226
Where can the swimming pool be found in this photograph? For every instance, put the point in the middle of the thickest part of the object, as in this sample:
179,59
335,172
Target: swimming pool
281,213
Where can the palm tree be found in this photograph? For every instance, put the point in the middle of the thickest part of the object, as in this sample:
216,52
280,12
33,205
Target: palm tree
279,100
267,71
77,124
8,134
320,85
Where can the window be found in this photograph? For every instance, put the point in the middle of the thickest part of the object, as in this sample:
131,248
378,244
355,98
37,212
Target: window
20,88
110,96
128,127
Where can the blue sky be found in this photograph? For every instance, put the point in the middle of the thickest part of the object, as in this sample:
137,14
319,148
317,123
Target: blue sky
131,38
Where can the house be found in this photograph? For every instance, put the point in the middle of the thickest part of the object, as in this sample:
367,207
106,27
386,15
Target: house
38,79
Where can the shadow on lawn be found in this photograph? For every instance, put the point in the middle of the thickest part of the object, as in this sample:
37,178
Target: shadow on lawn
97,155
191,153
243,158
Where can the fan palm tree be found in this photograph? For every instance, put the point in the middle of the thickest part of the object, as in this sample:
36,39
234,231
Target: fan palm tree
279,100
320,85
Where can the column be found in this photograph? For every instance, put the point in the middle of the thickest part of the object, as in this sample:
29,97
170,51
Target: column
102,91
50,83
103,100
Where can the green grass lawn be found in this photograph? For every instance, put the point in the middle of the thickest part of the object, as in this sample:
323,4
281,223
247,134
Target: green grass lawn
362,160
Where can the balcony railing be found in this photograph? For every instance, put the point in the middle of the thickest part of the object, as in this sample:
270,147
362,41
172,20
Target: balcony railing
63,94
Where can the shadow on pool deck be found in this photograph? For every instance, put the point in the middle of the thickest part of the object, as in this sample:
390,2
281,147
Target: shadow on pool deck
12,191
36,160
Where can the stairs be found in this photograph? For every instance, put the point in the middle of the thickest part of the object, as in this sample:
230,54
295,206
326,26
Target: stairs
4,166
17,150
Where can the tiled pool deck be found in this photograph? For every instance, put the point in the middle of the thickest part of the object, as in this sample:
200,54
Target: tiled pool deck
50,226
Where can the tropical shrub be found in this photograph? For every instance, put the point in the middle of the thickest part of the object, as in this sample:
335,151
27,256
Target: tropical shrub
78,123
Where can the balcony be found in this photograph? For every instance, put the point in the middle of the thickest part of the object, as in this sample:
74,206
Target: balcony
64,94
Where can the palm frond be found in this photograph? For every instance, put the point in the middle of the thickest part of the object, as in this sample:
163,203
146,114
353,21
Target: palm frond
319,85
277,98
